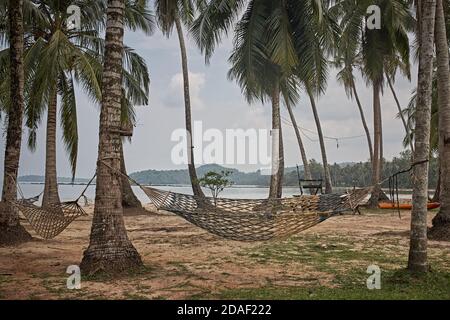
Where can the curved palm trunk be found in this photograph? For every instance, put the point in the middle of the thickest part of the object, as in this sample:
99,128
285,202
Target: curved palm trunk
327,176
51,180
399,108
442,219
382,195
363,120
129,199
11,232
417,261
109,249
276,179
300,142
196,189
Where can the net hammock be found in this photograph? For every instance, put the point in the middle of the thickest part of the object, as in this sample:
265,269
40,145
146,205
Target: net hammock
51,220
256,220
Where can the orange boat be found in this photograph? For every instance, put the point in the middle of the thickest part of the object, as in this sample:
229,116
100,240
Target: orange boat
405,205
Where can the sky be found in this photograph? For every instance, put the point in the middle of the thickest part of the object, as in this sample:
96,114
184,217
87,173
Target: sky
219,104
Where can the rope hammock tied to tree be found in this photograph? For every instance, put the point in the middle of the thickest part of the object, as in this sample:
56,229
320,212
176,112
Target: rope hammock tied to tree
51,220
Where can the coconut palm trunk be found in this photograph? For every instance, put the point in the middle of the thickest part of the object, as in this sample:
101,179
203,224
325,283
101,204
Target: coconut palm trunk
326,168
417,261
305,161
129,199
51,195
399,108
11,232
377,149
109,249
276,178
197,190
363,120
442,219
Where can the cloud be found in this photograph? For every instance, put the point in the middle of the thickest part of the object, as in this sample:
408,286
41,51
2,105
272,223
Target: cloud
174,96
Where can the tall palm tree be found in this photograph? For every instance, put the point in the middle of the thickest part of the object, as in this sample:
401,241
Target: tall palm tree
326,168
306,169
134,95
417,261
59,58
375,49
399,108
170,14
409,113
442,220
109,249
346,77
275,43
10,229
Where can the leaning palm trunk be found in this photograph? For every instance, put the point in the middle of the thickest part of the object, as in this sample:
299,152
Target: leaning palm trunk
109,249
300,142
11,231
363,120
399,108
129,199
442,219
327,176
51,181
417,261
196,189
276,178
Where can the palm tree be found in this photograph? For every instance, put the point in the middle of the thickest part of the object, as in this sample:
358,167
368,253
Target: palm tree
346,77
109,249
399,108
61,61
417,261
66,56
301,146
376,49
410,115
172,13
134,95
326,168
275,43
10,229
442,220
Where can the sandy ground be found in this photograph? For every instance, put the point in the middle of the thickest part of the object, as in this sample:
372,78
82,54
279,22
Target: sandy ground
182,260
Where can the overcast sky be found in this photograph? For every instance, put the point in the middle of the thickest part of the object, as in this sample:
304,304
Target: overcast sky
218,103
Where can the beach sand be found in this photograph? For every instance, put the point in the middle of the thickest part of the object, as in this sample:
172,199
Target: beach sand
183,261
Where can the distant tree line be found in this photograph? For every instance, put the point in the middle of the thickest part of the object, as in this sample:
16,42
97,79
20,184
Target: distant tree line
342,175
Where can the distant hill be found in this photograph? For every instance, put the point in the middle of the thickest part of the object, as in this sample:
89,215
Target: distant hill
181,177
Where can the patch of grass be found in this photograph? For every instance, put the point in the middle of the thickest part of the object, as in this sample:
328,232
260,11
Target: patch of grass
394,285
56,287
134,296
5,279
104,276
326,254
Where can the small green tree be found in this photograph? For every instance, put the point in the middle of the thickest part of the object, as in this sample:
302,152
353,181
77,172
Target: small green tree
216,182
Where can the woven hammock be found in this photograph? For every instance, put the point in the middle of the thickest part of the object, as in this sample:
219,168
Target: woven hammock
50,221
256,220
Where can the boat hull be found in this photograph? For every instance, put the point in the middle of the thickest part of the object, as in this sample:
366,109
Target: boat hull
405,206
